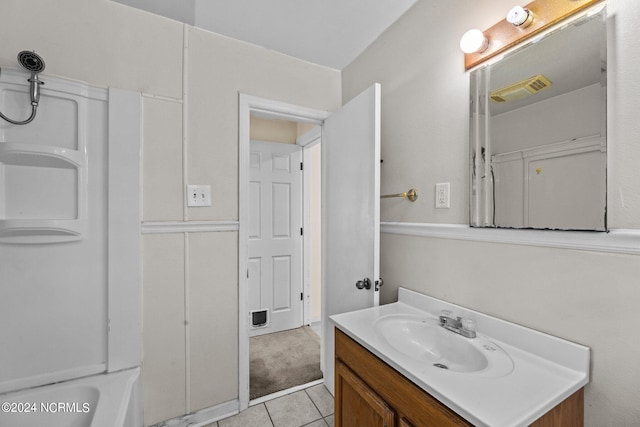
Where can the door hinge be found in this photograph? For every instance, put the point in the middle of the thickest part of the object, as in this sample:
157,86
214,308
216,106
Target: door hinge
301,166
301,231
301,296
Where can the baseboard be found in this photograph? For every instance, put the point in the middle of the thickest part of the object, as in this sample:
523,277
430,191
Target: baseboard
204,416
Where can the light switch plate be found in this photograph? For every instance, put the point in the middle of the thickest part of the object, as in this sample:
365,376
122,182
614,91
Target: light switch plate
198,195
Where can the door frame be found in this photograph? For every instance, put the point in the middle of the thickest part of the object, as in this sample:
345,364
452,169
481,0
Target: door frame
307,141
265,108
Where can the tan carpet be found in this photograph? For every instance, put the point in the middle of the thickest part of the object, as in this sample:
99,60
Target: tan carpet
283,360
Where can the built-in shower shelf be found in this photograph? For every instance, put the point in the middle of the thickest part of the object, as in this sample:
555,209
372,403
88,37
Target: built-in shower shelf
40,156
42,196
44,164
40,231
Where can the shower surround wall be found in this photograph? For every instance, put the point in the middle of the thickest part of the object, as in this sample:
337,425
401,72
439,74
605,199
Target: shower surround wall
69,225
190,81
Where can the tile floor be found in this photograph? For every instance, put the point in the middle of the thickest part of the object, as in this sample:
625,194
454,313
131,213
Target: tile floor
311,407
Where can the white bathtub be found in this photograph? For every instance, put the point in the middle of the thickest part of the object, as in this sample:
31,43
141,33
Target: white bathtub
108,400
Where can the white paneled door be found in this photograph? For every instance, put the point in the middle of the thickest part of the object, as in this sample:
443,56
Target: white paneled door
350,213
275,235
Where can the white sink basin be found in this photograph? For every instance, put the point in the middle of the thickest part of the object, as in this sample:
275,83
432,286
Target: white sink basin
507,376
421,339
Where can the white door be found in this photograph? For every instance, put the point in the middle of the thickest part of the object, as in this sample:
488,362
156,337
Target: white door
350,213
275,241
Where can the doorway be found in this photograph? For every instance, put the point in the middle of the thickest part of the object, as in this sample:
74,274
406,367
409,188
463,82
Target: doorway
279,270
284,260
350,213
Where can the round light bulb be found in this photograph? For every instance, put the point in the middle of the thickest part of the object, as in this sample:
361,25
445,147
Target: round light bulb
473,41
520,17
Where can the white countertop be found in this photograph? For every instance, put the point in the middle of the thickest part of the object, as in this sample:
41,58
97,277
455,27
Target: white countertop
546,369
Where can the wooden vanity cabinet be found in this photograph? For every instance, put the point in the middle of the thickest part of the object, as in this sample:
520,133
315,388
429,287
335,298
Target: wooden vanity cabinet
369,393
359,405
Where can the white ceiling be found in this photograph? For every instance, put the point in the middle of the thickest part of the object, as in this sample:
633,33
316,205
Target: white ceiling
326,32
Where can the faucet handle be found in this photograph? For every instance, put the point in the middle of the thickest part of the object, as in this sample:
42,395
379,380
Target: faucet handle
468,324
445,315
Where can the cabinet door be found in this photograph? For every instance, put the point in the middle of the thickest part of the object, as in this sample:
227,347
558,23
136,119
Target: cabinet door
405,423
356,404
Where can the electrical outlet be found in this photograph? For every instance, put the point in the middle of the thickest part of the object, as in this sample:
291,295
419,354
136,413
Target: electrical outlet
198,195
442,195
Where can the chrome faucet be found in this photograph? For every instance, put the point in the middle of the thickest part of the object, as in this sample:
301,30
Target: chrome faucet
463,326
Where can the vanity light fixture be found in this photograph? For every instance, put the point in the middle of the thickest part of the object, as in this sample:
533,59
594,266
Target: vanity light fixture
474,41
520,17
521,23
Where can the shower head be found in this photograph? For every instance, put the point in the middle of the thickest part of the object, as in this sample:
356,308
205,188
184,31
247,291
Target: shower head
31,62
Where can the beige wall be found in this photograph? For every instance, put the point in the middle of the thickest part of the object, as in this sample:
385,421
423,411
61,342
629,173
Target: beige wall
212,122
276,130
273,130
582,296
190,125
217,69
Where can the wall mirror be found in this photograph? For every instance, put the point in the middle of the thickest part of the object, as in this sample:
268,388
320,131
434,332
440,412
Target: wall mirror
538,132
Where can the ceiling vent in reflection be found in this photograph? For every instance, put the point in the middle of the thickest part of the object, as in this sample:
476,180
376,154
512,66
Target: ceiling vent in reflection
521,89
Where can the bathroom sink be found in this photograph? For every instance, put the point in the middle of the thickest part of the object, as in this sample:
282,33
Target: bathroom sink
423,340
507,375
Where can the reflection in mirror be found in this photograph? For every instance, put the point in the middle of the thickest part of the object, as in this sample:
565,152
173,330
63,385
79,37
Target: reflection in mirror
538,133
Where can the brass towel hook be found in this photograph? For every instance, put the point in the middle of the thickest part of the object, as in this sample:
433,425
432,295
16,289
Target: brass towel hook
412,195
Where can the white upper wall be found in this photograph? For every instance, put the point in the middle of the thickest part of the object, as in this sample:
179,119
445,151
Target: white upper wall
97,41
180,10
